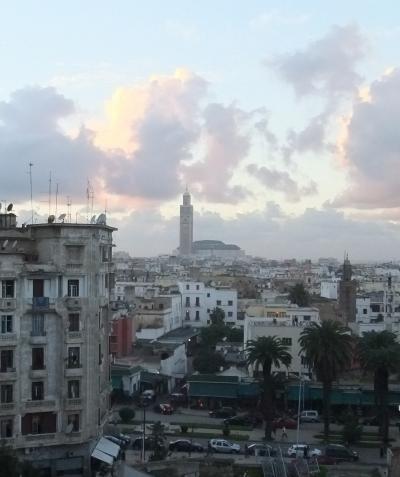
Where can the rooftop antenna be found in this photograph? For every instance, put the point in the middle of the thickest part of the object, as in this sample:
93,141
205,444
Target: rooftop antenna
56,200
69,209
49,193
30,183
90,198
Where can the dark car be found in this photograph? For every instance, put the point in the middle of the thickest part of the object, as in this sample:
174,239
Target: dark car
163,408
261,450
149,443
372,421
243,420
341,453
223,412
184,445
287,422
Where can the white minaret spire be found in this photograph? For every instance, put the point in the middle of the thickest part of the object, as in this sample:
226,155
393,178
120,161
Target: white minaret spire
186,225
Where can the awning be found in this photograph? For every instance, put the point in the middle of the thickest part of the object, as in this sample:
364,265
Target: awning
102,456
108,447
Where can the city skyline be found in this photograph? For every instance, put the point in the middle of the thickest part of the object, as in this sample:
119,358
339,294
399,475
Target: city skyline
281,120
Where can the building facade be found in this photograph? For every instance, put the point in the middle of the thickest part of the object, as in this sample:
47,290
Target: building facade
54,357
186,226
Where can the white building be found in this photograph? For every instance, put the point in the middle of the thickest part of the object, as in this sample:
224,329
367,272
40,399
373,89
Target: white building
199,301
329,289
285,322
54,358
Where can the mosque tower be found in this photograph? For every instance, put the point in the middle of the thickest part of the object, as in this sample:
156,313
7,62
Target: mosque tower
186,226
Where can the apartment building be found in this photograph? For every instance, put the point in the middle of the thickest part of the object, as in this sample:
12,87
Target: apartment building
284,321
54,325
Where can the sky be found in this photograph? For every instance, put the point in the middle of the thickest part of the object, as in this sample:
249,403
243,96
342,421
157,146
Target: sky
281,118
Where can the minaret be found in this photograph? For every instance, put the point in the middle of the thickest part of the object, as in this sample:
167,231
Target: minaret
186,226
347,293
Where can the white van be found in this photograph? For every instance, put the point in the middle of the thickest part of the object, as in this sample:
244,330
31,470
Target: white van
309,416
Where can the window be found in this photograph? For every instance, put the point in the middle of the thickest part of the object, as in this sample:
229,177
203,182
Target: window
38,325
304,361
73,322
197,287
37,391
39,423
6,427
208,310
73,287
286,341
6,324
365,311
8,289
306,318
6,360
6,393
74,389
73,422
38,288
197,315
197,301
187,301
100,354
208,295
105,253
187,316
38,358
36,425
187,287
230,303
230,314
74,357
218,302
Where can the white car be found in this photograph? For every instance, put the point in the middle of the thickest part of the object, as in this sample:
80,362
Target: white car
221,445
297,450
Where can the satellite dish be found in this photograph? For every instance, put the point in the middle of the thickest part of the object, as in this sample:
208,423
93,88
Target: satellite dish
62,217
93,220
101,219
51,219
9,207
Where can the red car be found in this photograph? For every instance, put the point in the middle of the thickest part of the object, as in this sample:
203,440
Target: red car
287,422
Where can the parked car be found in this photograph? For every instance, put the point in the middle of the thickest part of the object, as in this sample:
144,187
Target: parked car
243,420
115,440
184,445
223,412
163,408
261,450
341,453
224,446
372,421
287,422
123,438
148,443
297,450
309,416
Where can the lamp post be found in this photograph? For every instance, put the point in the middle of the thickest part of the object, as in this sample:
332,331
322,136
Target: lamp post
144,404
298,411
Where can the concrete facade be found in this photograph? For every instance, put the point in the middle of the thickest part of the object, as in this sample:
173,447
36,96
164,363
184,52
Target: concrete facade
54,356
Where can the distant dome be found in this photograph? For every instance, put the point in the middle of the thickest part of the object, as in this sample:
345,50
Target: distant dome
213,245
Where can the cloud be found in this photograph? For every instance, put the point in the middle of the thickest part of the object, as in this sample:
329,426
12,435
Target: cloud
227,143
281,181
372,148
30,132
274,18
326,66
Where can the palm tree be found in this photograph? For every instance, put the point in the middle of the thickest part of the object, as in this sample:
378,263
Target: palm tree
379,353
266,352
327,348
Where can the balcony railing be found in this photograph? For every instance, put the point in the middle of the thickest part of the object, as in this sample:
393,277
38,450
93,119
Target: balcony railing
40,403
75,334
40,303
74,402
73,303
8,337
8,303
40,437
7,406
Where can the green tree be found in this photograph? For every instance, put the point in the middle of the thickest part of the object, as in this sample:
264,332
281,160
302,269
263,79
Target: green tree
208,362
299,295
10,466
352,430
379,354
158,436
264,353
217,316
126,414
327,348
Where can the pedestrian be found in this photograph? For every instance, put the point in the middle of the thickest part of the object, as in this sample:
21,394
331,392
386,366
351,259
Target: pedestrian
284,433
305,452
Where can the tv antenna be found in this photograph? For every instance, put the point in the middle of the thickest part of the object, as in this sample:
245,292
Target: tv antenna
90,198
69,209
55,213
30,183
49,193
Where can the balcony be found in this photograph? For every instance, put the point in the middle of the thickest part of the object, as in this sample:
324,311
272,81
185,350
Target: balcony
39,437
9,374
8,339
40,404
38,337
41,304
73,371
73,303
73,402
7,407
7,304
75,336
38,373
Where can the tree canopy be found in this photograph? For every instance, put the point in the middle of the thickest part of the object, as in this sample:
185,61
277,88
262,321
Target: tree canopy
299,295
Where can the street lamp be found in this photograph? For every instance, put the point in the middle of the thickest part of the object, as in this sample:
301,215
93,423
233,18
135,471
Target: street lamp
144,403
298,409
